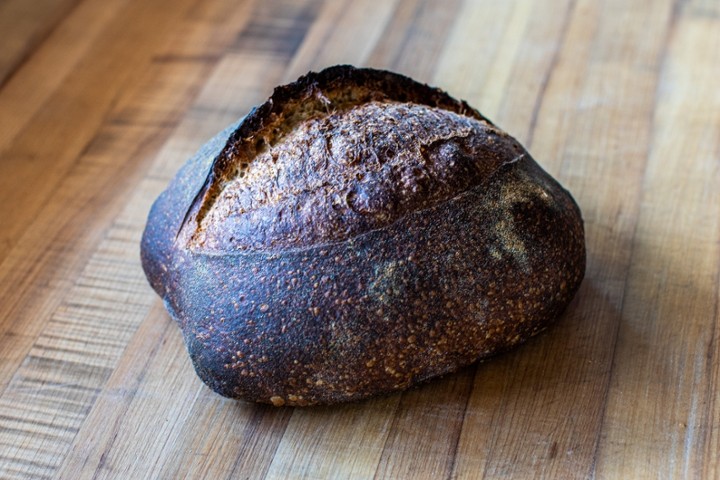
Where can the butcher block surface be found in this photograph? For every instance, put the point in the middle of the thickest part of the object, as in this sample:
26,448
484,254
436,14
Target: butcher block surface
101,101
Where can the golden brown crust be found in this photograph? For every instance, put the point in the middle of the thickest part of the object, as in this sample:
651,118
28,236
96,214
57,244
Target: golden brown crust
408,278
337,153
349,170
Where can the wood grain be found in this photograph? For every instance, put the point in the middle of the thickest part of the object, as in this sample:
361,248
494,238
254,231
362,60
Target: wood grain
23,26
101,101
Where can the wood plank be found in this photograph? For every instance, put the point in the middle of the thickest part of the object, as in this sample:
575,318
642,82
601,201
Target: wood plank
68,121
333,38
672,281
416,26
551,122
342,442
23,26
554,390
82,196
229,439
545,39
23,95
460,69
423,439
129,133
59,378
117,394
107,99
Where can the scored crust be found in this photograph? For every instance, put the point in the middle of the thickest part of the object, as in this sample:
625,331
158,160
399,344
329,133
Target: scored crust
340,153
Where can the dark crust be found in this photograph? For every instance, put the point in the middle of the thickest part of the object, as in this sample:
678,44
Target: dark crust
433,291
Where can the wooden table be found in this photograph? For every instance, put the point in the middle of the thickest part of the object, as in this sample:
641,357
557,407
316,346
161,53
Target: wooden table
102,100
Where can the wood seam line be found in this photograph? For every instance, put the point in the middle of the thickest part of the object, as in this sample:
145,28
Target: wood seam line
392,427
539,101
257,417
417,11
712,360
453,456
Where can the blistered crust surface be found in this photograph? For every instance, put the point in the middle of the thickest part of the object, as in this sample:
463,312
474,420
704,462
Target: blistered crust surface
346,172
336,154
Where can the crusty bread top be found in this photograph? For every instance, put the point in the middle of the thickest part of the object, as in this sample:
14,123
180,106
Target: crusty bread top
339,153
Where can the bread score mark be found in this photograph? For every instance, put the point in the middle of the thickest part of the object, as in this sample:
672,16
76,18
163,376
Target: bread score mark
336,176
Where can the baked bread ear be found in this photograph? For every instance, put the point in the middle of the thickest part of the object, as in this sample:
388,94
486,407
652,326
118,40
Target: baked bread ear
356,234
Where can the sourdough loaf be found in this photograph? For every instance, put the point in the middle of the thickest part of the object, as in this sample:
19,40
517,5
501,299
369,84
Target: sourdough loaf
356,234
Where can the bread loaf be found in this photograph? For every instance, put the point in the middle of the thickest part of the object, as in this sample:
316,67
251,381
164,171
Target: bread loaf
356,234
